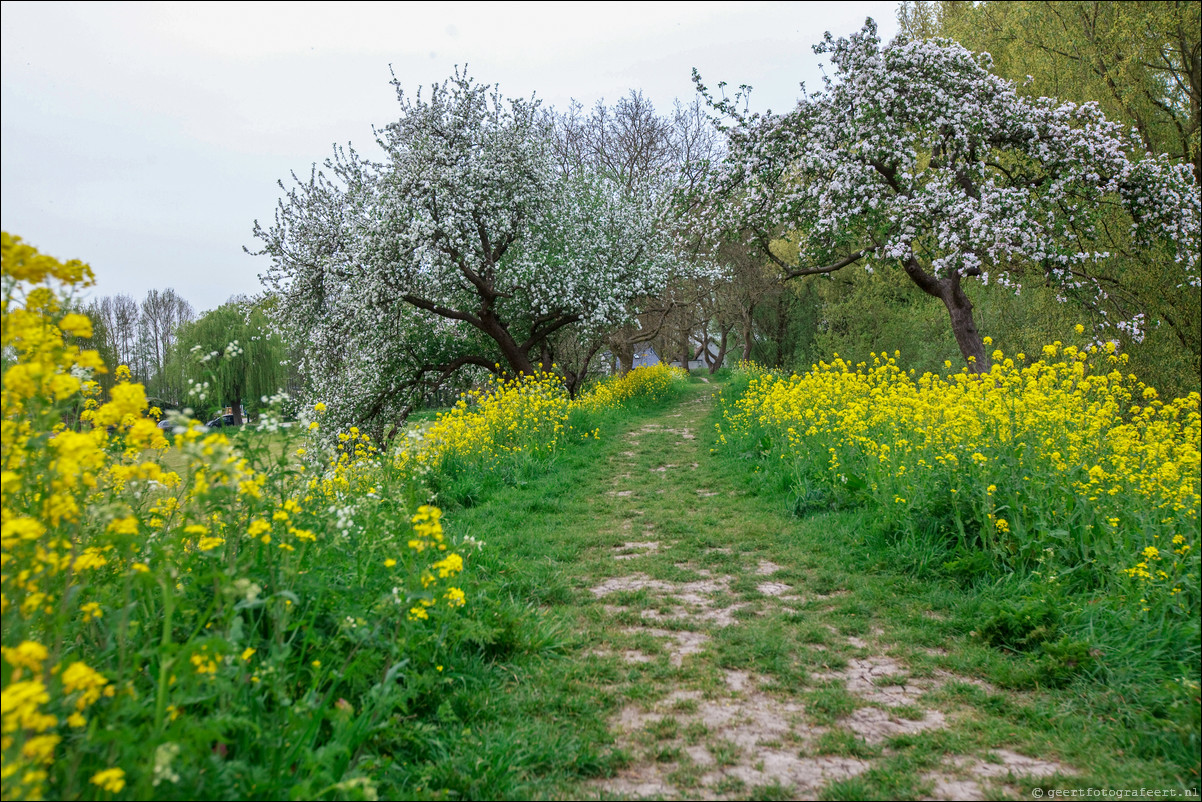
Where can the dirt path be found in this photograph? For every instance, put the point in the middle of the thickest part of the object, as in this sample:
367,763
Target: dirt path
751,665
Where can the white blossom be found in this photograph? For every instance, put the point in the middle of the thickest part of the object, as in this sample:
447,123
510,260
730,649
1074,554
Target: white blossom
915,154
462,246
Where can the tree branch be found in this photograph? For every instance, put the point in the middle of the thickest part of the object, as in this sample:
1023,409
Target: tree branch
458,362
831,268
925,281
537,335
442,311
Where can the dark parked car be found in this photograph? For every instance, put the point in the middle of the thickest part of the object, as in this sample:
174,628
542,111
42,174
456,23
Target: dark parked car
220,421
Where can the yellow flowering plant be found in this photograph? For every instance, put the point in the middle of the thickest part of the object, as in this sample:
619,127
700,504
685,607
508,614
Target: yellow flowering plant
528,417
1066,444
1064,468
170,632
146,612
1061,484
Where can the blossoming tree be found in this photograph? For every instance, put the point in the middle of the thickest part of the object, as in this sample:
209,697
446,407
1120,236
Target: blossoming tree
644,151
916,157
464,245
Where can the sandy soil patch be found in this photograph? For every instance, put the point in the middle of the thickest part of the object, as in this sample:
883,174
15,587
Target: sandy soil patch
767,568
635,548
680,643
760,738
974,778
778,589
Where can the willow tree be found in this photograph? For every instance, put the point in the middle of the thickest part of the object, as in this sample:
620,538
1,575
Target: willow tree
916,158
235,350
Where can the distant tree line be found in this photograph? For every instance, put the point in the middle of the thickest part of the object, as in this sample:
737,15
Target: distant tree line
142,335
229,357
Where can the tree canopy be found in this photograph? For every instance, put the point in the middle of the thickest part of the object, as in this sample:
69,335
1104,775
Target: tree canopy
1141,61
915,156
464,245
232,352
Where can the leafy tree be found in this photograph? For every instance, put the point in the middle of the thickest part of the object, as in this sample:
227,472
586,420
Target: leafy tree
640,150
751,282
789,326
917,158
463,246
1142,63
235,350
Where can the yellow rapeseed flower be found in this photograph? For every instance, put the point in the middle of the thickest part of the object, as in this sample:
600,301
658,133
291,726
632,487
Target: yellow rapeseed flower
111,780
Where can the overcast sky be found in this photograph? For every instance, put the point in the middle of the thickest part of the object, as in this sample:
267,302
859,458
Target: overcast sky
145,139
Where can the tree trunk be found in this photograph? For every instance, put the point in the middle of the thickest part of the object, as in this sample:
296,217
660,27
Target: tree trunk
624,353
575,375
949,290
959,308
747,330
519,361
780,331
236,408
721,356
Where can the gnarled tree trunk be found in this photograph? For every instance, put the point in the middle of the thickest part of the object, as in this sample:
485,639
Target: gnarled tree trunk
949,289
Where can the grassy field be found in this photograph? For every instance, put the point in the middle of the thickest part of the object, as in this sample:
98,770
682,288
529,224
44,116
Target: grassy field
622,606
272,444
663,625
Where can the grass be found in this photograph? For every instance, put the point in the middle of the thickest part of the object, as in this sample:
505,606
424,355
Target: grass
274,444
553,538
425,415
530,699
